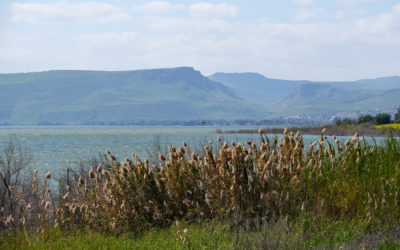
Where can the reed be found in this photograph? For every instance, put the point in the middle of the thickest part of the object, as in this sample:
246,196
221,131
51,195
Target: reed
273,178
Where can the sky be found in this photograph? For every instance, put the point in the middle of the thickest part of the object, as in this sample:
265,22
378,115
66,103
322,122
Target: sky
288,39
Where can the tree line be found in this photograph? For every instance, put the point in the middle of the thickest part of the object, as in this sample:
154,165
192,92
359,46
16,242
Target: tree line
379,119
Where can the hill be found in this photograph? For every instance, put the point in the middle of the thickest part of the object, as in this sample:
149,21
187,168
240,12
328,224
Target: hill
250,84
327,101
121,97
155,96
255,87
315,100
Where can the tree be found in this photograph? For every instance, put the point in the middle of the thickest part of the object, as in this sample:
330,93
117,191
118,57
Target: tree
366,119
344,121
382,118
14,162
397,116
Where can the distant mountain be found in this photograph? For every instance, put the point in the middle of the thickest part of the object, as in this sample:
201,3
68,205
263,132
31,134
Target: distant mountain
381,83
82,97
255,84
327,101
313,93
255,87
317,100
182,94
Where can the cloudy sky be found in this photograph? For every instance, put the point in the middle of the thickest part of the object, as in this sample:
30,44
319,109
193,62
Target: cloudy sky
290,39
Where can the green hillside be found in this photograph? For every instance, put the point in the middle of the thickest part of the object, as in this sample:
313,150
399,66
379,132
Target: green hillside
316,100
326,101
81,97
256,88
74,97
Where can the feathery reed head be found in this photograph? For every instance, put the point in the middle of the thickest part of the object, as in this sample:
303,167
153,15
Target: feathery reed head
47,175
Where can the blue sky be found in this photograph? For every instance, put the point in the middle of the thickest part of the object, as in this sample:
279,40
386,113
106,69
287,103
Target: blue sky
290,39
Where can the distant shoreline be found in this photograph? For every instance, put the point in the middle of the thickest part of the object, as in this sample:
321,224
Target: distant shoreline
330,130
205,123
233,126
342,130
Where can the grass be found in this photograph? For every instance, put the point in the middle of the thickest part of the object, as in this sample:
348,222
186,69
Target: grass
156,238
389,126
278,193
303,233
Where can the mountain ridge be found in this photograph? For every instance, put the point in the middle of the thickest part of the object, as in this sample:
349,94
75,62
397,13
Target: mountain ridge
315,99
79,97
182,93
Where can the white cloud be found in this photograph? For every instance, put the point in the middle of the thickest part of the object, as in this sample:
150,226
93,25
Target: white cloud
343,50
191,25
66,12
386,23
158,7
339,14
304,14
304,2
7,54
105,39
204,9
356,2
317,51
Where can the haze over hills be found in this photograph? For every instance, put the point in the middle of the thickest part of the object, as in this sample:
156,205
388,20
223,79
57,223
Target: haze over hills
126,97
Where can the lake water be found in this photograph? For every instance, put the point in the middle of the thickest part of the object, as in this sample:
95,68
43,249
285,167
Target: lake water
57,148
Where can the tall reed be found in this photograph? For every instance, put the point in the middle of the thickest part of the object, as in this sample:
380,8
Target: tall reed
273,178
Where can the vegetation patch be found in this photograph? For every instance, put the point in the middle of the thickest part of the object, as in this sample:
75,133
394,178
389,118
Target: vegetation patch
365,125
389,126
275,193
302,233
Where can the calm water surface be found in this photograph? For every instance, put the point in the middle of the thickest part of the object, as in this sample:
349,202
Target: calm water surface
58,148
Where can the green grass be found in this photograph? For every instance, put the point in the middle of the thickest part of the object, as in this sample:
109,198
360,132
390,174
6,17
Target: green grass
200,236
301,233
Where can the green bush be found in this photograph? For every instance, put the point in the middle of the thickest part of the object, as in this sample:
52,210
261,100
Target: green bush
382,118
366,119
397,116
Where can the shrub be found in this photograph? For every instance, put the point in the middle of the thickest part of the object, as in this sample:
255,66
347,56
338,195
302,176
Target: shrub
345,121
382,118
397,116
366,119
15,187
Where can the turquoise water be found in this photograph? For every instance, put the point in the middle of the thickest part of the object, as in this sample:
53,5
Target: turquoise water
57,148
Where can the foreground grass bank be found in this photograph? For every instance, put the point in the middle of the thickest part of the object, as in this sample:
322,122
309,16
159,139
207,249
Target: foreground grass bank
324,194
303,233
